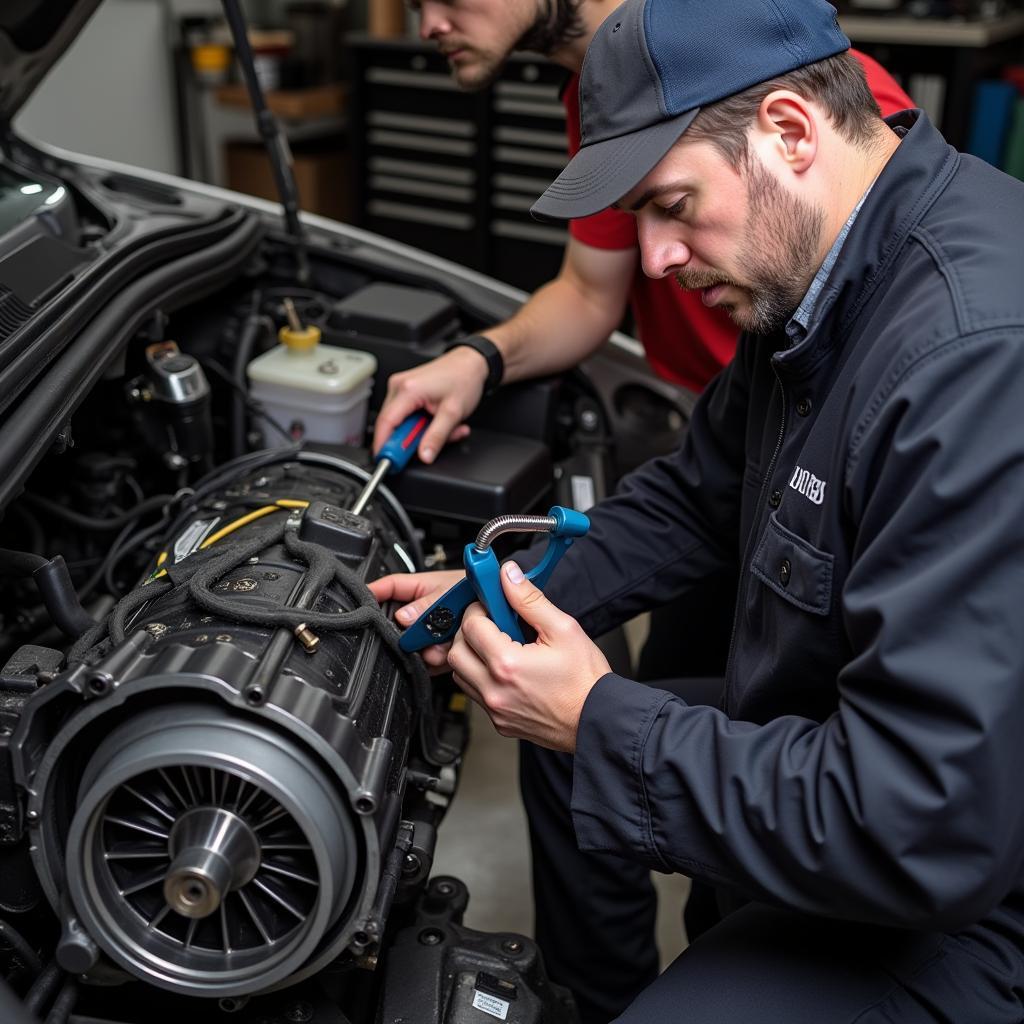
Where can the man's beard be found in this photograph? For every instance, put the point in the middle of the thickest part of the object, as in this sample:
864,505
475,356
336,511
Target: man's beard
782,239
559,24
481,74
556,25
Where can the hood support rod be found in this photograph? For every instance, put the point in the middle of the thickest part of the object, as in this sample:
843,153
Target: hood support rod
273,138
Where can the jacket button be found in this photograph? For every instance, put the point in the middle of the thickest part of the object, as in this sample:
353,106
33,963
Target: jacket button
775,499
803,407
784,570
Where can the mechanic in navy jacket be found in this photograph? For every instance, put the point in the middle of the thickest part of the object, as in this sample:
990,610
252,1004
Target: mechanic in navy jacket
860,466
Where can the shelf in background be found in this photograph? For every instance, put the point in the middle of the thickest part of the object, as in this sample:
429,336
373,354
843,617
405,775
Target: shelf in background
292,104
931,32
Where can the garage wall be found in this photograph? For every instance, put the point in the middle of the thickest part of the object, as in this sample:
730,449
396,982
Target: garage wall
112,94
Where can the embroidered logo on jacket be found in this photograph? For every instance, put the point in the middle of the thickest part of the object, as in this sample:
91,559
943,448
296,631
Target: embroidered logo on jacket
808,485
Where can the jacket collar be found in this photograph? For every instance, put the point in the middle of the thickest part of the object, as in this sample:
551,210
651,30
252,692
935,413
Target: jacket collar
908,185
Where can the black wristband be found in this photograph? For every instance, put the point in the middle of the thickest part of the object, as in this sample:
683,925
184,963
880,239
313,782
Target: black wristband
490,352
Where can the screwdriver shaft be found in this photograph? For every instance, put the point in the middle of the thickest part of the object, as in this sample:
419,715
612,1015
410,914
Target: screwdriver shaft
371,486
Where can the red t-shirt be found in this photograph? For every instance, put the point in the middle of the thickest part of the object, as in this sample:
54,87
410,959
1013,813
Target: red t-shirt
686,342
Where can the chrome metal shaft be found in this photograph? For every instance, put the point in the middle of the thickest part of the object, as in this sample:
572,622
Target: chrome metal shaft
513,524
214,851
371,487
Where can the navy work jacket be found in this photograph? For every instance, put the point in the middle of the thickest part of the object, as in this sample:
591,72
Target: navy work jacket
867,487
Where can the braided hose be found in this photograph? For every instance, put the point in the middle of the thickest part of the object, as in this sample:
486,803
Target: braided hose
512,524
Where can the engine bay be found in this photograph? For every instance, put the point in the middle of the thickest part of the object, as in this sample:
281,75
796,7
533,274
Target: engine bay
220,778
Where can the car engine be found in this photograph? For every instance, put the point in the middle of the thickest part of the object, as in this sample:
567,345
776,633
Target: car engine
220,778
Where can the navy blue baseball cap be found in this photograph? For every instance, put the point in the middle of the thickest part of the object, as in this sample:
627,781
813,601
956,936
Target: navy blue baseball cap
653,64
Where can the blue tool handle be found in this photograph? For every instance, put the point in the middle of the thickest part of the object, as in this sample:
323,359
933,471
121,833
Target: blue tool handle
400,447
570,524
441,621
484,573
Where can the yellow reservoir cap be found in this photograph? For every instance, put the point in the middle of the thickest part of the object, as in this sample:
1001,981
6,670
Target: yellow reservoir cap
299,341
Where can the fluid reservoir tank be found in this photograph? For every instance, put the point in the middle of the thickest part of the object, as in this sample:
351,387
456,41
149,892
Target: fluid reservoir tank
316,392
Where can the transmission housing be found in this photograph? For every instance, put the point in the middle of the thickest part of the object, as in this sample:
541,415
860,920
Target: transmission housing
217,780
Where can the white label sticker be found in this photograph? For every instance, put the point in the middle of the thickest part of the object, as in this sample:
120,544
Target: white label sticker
582,492
490,1004
193,537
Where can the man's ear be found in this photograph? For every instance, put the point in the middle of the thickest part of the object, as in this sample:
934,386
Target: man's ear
791,127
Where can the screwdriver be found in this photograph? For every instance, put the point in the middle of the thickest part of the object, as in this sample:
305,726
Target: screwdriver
394,455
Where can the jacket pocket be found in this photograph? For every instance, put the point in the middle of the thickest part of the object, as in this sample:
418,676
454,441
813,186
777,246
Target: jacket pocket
796,570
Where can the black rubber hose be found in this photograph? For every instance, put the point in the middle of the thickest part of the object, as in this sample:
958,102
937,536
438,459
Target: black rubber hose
61,600
85,522
44,987
19,563
85,592
64,1003
20,945
254,323
12,1010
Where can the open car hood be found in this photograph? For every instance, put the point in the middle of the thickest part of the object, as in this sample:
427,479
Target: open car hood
33,36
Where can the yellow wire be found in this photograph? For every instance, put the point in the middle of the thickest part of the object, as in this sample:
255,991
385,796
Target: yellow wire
237,524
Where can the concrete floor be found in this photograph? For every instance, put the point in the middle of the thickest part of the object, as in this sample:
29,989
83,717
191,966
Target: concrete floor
483,841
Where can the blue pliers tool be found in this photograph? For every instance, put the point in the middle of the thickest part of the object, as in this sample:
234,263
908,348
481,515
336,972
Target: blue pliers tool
441,621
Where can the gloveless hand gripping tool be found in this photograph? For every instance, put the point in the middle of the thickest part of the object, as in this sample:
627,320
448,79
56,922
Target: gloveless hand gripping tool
441,621
394,455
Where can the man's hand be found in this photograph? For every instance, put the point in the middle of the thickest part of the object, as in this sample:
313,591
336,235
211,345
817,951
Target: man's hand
530,691
419,590
449,388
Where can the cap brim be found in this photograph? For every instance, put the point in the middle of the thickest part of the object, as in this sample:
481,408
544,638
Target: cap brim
602,173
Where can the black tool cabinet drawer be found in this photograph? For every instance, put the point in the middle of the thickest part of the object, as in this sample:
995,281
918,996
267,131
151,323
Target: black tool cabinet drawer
454,172
417,138
528,150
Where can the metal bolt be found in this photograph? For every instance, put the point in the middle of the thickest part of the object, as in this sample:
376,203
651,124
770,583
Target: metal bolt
431,936
439,621
254,695
512,946
309,640
411,864
445,889
32,816
589,419
299,1013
